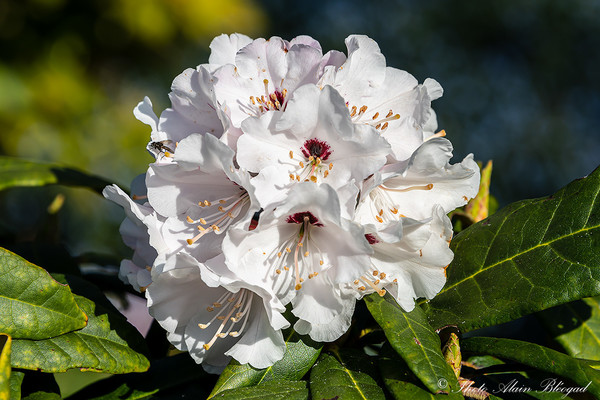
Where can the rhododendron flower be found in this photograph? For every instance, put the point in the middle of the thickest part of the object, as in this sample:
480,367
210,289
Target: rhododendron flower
285,177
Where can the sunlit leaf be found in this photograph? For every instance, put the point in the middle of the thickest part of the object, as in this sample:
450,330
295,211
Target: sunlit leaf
531,255
104,345
18,172
576,326
478,207
341,374
32,304
539,357
411,336
273,390
5,348
301,353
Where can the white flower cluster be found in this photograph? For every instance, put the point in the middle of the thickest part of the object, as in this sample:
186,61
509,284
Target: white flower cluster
287,177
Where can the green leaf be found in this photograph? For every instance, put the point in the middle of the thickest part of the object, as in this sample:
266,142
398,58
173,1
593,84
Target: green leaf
103,345
32,304
416,342
164,374
538,357
300,355
339,374
402,383
273,390
576,326
5,343
17,172
529,256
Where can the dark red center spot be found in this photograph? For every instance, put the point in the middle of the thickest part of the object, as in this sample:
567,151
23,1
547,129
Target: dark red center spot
298,218
279,96
371,238
316,148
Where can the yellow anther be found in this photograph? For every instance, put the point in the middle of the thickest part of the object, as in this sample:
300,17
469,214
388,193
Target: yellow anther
291,154
330,166
287,249
389,114
378,218
321,262
306,254
384,127
189,219
301,164
210,309
278,271
313,179
279,254
207,203
202,221
286,268
298,286
375,273
375,116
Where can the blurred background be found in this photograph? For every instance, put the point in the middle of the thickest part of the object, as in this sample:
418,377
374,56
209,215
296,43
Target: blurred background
521,80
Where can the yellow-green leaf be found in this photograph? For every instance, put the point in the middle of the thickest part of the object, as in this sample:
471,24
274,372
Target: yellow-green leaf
5,348
32,304
103,345
478,207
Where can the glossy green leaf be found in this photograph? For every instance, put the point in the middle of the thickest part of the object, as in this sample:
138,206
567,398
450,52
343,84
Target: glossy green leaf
301,353
411,336
403,384
529,256
32,304
539,357
576,326
18,172
5,348
164,374
273,390
103,345
338,374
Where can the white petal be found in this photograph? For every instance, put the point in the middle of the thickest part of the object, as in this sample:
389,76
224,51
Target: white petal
225,47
